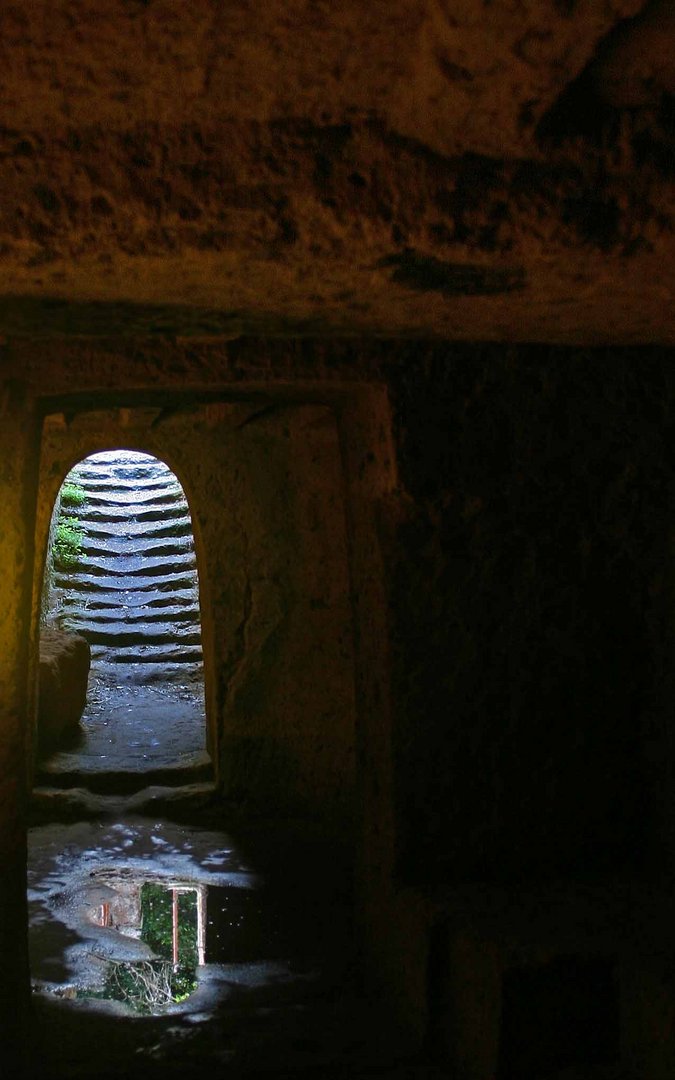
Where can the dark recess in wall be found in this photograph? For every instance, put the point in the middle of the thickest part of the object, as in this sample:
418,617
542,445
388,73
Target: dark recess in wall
557,1015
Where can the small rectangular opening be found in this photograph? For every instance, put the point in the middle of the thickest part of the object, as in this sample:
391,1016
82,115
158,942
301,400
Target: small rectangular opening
559,1015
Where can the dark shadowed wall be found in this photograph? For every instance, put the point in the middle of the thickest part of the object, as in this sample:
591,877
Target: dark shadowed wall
533,604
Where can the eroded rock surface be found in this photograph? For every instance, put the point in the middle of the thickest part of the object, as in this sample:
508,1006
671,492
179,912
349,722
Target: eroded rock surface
64,671
270,168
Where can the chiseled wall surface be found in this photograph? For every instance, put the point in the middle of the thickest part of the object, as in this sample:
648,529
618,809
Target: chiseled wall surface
533,610
18,482
469,171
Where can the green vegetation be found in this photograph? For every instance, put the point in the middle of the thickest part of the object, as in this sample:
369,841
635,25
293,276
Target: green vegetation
145,985
67,543
157,923
72,495
149,985
69,534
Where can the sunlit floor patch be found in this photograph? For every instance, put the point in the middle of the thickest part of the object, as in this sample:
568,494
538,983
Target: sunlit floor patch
137,728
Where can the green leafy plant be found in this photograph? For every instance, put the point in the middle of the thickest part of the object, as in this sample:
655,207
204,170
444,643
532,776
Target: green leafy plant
73,495
68,543
157,914
147,986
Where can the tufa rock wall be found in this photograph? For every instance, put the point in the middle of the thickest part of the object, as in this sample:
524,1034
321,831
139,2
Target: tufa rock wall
533,609
62,690
462,170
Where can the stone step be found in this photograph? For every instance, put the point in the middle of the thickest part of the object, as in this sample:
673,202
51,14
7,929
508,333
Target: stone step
150,654
86,582
124,496
126,479
135,532
119,634
113,461
137,615
90,625
154,497
183,672
103,483
118,547
131,608
150,600
133,565
157,618
191,769
99,514
150,530
119,493
98,467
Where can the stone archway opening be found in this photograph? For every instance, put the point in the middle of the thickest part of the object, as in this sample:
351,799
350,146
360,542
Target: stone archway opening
121,591
293,616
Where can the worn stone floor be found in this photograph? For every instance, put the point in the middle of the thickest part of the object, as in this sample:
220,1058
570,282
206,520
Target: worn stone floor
133,732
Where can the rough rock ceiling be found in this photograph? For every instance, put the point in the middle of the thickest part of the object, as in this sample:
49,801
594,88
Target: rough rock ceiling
497,169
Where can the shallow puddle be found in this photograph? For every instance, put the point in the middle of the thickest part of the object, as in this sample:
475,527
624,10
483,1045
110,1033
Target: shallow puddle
145,915
258,968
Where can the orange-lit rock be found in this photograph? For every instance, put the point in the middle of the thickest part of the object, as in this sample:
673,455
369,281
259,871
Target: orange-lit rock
490,171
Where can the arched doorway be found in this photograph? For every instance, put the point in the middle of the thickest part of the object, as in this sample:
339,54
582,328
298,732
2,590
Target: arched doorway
121,573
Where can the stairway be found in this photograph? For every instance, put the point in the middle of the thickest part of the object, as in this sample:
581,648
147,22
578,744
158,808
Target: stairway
134,594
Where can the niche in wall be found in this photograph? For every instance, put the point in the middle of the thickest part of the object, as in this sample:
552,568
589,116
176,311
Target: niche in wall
264,480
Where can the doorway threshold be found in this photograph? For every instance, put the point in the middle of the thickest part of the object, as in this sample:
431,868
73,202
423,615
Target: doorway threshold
63,771
80,803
